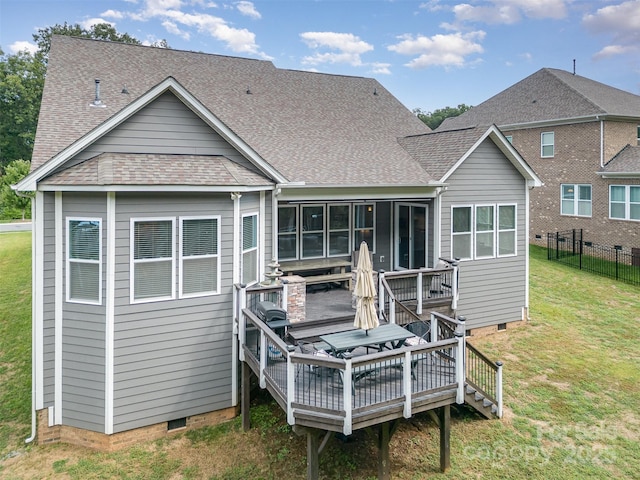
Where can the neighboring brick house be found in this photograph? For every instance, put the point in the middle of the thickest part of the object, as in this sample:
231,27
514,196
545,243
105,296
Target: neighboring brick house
582,139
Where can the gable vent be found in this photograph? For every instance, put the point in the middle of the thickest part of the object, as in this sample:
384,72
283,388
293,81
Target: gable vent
97,102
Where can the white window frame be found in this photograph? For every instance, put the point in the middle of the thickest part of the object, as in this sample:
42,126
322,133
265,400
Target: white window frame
372,248
473,233
330,230
470,233
491,232
69,261
576,199
543,144
504,230
323,232
133,262
509,138
251,249
182,257
627,203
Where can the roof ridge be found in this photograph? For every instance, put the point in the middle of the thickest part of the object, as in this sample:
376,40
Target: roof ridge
552,71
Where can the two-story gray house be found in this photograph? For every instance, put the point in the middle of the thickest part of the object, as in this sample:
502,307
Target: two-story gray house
162,178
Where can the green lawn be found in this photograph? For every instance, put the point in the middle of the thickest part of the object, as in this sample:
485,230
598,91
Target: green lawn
572,402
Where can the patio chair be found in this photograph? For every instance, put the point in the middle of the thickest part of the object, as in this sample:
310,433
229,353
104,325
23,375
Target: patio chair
315,349
422,335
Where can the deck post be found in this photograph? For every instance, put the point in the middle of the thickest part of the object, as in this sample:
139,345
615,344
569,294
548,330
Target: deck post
380,295
454,287
434,328
240,305
291,385
460,376
313,454
406,381
263,359
419,293
245,404
347,389
384,461
444,417
499,388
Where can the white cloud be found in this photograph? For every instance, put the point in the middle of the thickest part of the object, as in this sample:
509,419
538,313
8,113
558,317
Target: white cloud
113,14
347,48
622,22
439,50
90,22
509,11
615,50
23,46
178,22
380,68
248,9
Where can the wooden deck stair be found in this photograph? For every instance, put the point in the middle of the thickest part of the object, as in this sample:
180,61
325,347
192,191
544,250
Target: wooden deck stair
480,403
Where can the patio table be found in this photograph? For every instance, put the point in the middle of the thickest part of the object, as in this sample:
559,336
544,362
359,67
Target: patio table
343,342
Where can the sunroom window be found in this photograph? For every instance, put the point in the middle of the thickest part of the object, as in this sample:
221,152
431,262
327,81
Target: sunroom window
461,232
313,237
339,230
506,230
84,264
288,232
485,231
364,225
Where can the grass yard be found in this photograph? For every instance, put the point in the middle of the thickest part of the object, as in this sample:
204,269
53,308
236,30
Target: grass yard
572,403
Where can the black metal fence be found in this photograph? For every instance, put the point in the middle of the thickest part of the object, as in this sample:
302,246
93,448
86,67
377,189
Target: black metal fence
614,262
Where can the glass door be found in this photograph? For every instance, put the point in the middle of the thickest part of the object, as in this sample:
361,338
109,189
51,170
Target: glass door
410,236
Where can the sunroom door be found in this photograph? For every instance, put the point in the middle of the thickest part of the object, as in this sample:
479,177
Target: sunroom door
410,236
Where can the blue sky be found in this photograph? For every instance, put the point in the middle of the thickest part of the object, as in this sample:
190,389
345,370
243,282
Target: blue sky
430,54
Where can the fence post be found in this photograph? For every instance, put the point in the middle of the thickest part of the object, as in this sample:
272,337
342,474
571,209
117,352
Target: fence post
581,249
499,388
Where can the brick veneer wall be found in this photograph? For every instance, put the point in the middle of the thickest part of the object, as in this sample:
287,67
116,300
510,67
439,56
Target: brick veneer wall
576,161
117,441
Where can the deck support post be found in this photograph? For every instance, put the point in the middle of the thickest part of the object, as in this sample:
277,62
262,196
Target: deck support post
245,407
313,454
385,432
444,417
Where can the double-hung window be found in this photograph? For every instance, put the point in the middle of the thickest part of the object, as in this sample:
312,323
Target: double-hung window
250,248
547,144
364,225
624,202
199,256
461,232
313,236
84,260
506,230
339,220
288,232
576,200
152,259
485,231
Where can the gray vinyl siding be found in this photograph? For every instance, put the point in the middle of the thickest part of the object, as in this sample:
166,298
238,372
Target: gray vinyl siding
48,299
492,291
83,326
172,358
166,126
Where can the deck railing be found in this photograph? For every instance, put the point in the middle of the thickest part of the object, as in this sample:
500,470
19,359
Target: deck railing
484,376
352,391
408,287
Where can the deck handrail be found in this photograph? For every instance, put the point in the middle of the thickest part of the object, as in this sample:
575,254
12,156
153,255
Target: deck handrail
278,367
484,376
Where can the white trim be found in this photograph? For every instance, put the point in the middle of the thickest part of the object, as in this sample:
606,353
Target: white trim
372,248
252,249
58,306
515,229
181,258
236,275
542,145
91,262
411,246
437,227
452,207
576,199
50,187
38,299
262,238
110,313
484,232
132,223
169,84
526,250
627,203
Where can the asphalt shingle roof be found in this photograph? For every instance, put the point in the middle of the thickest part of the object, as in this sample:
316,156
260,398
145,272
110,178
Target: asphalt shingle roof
548,94
149,169
311,127
626,161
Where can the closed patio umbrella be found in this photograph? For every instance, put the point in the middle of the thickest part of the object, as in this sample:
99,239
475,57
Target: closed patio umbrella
365,292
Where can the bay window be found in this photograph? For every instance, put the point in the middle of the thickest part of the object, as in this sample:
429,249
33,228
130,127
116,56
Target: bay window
152,259
199,256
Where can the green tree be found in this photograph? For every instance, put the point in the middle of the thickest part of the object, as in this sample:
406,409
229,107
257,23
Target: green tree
435,118
21,83
11,204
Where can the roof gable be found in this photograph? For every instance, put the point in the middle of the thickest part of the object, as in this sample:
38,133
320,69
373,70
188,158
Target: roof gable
549,95
443,152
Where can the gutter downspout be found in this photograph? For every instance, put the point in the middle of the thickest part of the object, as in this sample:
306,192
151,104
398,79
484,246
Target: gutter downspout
33,326
601,143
